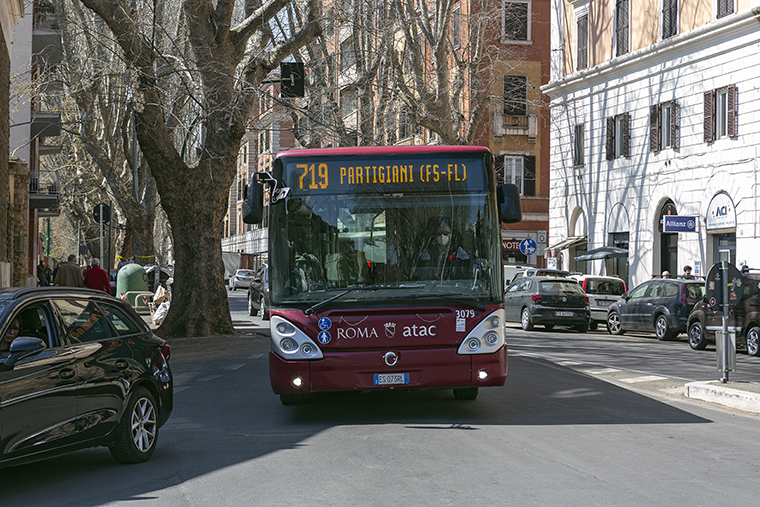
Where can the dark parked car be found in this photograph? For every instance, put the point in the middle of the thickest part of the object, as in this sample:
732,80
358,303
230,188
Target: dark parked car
78,369
660,305
547,300
258,293
743,319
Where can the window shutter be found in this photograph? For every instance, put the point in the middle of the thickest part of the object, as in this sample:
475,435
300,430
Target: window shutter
529,175
626,135
675,125
707,120
654,127
610,141
731,111
498,165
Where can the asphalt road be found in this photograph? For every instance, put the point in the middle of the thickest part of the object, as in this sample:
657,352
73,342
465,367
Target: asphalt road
555,434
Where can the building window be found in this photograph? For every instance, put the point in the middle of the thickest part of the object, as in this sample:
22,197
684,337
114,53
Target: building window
664,126
518,170
456,26
516,20
515,99
578,133
618,139
725,7
348,102
582,42
721,118
669,18
347,56
621,27
264,141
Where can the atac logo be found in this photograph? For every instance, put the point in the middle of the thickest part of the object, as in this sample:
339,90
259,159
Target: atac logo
390,329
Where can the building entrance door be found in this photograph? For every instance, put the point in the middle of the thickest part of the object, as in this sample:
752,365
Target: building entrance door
724,248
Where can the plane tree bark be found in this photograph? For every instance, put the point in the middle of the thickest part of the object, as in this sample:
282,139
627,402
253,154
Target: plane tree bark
221,66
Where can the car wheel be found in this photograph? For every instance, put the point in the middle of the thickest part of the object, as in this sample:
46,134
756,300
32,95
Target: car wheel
293,399
581,328
264,309
549,327
593,325
697,340
525,320
661,328
466,393
753,341
613,324
137,432
251,309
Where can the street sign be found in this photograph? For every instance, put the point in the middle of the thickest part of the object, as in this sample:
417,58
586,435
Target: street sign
677,223
102,213
528,246
714,288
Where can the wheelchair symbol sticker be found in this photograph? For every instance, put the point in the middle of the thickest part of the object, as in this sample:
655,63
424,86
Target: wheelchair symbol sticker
324,324
324,337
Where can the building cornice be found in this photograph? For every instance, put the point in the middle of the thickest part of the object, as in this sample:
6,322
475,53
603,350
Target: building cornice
642,58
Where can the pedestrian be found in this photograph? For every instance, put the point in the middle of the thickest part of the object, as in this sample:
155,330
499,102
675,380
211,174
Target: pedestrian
687,273
96,277
48,274
666,274
12,334
69,274
41,278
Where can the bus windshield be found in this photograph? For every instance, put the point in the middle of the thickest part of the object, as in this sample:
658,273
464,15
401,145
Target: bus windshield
393,239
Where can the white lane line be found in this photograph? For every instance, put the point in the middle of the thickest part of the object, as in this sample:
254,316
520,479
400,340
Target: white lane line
180,389
568,363
255,356
600,372
234,366
210,377
641,379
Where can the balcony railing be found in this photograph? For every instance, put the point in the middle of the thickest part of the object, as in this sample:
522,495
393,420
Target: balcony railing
44,17
43,182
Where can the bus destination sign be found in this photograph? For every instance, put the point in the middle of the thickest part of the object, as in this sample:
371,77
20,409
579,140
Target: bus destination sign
340,176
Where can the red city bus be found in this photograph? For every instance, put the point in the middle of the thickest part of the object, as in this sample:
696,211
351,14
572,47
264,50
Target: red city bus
385,269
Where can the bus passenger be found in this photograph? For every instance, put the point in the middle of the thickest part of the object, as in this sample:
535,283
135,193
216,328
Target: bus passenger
442,258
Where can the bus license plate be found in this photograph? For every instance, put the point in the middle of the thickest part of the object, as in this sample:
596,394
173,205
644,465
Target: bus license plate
384,379
564,314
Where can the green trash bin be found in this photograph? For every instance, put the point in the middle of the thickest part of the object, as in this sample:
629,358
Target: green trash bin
131,278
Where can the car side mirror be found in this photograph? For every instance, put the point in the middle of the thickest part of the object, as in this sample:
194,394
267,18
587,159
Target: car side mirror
625,296
26,344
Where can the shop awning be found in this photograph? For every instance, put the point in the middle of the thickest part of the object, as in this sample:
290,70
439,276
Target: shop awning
567,243
603,252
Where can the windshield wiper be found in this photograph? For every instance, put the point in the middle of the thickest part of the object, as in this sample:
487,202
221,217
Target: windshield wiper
313,308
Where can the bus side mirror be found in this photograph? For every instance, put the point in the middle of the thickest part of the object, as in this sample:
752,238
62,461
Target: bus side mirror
253,206
508,198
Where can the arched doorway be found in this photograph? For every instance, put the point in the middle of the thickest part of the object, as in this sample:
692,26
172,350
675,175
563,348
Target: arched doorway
668,251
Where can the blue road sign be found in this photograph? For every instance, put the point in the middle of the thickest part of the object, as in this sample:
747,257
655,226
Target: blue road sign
677,223
528,246
324,337
324,323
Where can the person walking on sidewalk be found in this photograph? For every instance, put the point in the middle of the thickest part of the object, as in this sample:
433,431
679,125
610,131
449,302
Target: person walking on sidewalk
96,277
69,274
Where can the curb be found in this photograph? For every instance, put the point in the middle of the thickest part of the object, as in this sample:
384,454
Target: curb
713,392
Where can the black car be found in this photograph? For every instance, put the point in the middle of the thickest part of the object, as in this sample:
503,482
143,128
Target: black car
743,319
547,300
660,305
78,369
258,293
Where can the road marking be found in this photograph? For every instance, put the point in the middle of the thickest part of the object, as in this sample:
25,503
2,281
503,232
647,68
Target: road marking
568,363
255,356
647,378
234,366
600,372
210,377
180,389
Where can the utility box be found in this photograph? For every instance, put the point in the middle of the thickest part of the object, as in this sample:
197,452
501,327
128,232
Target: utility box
131,278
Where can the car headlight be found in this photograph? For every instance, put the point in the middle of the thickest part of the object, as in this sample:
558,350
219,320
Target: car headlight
487,337
291,343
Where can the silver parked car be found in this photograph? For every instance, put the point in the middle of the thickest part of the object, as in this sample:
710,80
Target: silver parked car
241,279
602,291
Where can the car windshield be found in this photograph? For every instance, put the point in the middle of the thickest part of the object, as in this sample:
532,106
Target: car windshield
559,286
605,287
245,272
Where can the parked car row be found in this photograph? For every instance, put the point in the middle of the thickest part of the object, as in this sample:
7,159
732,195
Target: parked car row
666,307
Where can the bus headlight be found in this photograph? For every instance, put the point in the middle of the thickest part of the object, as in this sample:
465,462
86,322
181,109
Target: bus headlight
487,337
291,343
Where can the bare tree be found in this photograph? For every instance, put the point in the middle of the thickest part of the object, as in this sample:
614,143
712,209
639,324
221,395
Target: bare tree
197,62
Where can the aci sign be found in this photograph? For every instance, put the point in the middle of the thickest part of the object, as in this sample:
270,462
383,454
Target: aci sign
676,223
721,213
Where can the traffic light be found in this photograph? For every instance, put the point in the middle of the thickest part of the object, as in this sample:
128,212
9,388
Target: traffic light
292,76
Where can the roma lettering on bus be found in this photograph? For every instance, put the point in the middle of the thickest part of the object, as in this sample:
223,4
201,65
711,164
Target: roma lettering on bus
349,333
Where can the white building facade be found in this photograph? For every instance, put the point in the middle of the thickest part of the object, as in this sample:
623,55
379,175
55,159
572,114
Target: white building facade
668,126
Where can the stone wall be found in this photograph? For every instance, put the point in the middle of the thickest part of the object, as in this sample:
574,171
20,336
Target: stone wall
19,220
5,235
